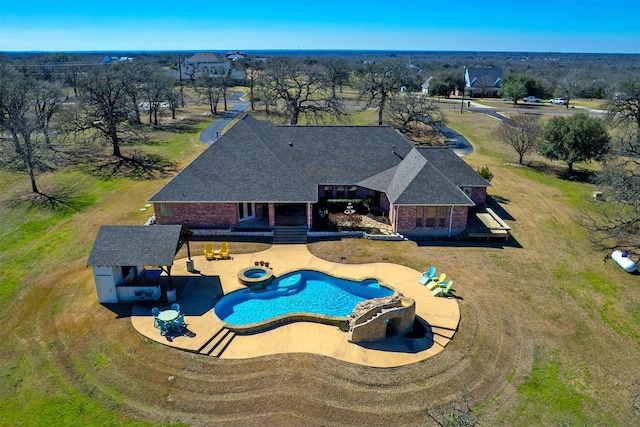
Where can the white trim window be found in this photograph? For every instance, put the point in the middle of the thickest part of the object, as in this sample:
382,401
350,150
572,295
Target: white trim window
246,211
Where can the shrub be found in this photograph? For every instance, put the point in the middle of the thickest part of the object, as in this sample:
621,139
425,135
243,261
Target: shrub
485,173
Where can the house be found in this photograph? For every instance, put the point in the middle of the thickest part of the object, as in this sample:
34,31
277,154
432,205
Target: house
426,84
113,59
212,64
282,176
483,82
235,55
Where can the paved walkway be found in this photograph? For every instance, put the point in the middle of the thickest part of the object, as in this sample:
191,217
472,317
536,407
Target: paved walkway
216,278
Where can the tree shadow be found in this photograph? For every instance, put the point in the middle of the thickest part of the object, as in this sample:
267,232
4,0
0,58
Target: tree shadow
186,125
137,165
57,199
562,172
577,176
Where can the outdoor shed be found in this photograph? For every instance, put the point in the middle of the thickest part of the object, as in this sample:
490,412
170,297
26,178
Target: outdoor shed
128,261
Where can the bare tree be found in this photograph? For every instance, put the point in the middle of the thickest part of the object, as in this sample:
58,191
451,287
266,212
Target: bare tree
174,96
253,68
104,95
264,94
71,75
523,133
379,81
156,88
338,71
616,222
414,114
210,86
303,87
570,86
624,105
26,107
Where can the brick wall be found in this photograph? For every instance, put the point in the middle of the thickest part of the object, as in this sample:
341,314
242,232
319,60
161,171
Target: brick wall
199,214
407,222
479,195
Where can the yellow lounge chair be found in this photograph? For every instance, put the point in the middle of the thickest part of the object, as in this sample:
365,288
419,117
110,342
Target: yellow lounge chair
223,252
432,284
209,252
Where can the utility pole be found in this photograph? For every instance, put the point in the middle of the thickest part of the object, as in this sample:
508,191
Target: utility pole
464,83
180,74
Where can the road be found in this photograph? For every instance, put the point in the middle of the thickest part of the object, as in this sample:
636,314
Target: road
214,130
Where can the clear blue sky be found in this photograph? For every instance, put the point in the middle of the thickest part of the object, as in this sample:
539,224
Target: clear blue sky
598,26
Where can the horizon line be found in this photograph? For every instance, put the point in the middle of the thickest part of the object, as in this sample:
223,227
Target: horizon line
313,50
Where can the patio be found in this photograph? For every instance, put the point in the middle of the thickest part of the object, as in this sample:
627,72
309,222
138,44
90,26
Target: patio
205,331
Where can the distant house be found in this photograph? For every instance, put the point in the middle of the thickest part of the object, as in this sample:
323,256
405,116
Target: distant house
234,56
113,59
212,64
259,173
426,84
207,63
483,82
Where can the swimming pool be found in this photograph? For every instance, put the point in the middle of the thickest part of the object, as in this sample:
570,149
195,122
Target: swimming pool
303,291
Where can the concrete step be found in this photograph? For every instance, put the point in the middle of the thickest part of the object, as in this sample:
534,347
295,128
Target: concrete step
290,235
213,342
223,344
444,332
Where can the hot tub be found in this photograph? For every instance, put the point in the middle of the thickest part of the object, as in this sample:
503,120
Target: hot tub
257,277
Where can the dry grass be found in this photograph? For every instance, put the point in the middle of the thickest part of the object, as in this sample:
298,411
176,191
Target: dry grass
549,332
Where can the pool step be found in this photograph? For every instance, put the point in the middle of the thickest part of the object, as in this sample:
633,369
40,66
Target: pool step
290,235
218,343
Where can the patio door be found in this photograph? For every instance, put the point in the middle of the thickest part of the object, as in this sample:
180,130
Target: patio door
246,211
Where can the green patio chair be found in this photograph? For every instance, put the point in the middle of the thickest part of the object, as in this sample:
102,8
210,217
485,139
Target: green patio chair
446,291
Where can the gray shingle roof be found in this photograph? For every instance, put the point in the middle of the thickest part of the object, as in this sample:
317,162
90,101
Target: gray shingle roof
257,161
484,75
205,57
118,245
419,182
453,167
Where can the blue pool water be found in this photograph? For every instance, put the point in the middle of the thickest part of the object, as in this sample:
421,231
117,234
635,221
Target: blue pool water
303,291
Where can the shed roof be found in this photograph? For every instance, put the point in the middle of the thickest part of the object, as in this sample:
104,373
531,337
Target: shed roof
128,245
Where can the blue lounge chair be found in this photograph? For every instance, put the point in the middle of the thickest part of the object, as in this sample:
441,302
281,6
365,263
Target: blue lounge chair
427,276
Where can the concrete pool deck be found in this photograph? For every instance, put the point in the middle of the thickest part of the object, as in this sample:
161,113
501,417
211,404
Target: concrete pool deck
216,278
